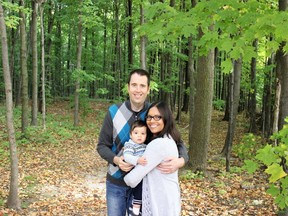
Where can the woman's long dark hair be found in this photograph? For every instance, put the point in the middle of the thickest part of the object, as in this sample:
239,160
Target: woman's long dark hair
169,122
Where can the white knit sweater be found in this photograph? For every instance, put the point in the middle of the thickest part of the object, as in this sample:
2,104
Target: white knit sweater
161,192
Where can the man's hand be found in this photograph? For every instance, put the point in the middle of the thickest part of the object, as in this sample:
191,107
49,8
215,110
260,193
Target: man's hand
119,161
171,164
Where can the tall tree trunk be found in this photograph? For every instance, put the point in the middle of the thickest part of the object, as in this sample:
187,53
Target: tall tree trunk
51,12
252,102
199,134
34,121
143,40
77,84
130,34
191,87
282,63
57,73
24,72
282,75
117,51
43,67
267,101
13,198
233,109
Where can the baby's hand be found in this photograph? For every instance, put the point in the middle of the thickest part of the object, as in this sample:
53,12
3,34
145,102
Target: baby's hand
142,161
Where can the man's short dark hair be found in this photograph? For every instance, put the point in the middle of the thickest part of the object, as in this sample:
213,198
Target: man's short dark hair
141,72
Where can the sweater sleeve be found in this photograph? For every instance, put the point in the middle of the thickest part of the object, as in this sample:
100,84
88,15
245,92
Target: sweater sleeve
128,154
105,141
183,151
154,155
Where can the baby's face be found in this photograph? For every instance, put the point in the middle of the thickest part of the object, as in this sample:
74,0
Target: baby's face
138,135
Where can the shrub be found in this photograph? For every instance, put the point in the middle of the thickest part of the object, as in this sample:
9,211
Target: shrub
275,159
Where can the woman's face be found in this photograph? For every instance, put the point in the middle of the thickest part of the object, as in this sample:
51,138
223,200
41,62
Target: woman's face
154,121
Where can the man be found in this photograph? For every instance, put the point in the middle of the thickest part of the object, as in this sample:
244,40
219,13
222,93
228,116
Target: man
113,135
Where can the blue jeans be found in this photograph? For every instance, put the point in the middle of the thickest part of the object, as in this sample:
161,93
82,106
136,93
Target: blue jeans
118,199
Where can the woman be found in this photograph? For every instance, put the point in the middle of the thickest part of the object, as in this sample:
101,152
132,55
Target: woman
161,192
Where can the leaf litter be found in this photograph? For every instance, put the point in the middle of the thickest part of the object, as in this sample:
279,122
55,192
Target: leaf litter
68,178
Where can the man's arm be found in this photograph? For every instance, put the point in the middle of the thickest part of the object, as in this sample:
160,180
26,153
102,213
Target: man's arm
105,143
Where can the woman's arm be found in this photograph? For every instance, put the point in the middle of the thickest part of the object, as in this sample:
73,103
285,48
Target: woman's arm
171,164
154,155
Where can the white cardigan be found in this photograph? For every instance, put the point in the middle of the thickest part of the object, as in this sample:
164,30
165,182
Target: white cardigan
161,192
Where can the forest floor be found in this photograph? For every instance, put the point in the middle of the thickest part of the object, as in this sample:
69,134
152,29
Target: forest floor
64,175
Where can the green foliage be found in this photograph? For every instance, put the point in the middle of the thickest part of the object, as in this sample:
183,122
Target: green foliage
188,175
2,202
102,91
82,76
248,146
12,21
275,159
219,104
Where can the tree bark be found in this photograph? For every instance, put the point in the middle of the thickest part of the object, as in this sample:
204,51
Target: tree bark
43,67
143,40
233,110
77,84
34,121
199,134
24,72
13,198
130,34
282,73
253,101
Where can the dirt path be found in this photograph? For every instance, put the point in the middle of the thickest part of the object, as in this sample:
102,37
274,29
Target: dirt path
62,180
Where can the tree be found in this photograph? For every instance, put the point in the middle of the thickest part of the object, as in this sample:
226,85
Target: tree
41,2
130,33
13,199
234,97
78,67
24,72
253,101
143,41
34,121
282,73
199,134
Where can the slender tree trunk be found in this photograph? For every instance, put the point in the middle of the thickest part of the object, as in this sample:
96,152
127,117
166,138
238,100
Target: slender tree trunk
252,102
24,72
130,34
282,73
277,107
13,198
34,121
192,87
77,84
233,109
143,40
267,101
43,67
51,12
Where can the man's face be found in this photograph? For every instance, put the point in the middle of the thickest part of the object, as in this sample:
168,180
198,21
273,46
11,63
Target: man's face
138,89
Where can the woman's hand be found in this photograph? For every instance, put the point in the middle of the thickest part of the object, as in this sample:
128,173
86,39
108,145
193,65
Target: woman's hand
119,161
171,164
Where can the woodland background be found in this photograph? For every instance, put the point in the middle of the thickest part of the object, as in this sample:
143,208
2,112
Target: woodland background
203,56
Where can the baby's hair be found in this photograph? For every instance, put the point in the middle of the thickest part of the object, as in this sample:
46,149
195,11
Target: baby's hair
137,123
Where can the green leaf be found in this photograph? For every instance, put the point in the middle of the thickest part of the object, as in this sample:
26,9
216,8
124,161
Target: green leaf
250,166
273,190
276,172
266,155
